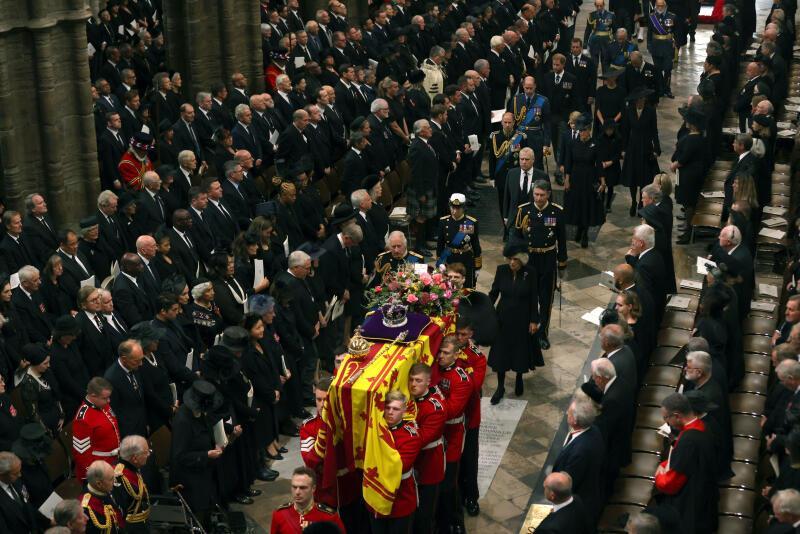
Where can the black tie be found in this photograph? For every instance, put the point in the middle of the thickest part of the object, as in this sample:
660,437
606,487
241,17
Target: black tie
194,138
575,61
99,323
524,182
16,495
132,380
119,138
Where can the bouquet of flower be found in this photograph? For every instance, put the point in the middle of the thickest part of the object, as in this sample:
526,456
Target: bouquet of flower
431,294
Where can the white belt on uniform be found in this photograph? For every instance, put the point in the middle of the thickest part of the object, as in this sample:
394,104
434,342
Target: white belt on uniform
407,474
455,421
115,452
433,444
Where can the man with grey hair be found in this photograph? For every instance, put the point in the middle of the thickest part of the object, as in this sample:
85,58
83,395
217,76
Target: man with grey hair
38,229
746,164
151,210
372,244
612,341
396,256
569,513
294,153
583,453
699,376
98,499
434,71
245,135
31,308
788,373
134,452
233,192
649,265
659,216
17,514
69,514
421,192
739,261
186,137
786,508
15,251
617,410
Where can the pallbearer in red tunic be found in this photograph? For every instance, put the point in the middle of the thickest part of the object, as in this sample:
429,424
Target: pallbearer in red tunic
430,464
130,490
293,517
686,479
456,386
473,361
407,443
95,432
101,509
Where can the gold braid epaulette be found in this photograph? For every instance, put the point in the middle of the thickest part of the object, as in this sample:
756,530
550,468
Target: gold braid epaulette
503,146
518,116
108,510
137,515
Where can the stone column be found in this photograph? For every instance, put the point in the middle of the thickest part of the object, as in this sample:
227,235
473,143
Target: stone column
209,40
47,138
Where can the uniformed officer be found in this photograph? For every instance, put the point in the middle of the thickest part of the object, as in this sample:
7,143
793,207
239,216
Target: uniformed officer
458,239
661,44
407,443
397,256
99,506
504,147
532,117
456,386
540,224
618,52
293,517
309,431
639,73
95,432
429,466
598,31
130,490
473,361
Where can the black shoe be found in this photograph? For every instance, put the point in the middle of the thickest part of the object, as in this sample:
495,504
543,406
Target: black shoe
243,499
669,94
498,395
544,343
519,387
691,38
278,456
632,211
472,507
283,450
267,475
253,492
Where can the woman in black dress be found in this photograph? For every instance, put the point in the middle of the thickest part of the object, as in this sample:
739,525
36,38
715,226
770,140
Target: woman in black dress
57,301
609,152
516,347
584,183
223,149
630,311
689,162
229,294
640,135
609,101
39,390
711,326
10,420
269,250
245,253
164,265
126,213
377,214
66,364
12,328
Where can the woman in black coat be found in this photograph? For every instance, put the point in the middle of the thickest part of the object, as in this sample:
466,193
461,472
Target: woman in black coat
39,390
10,420
583,182
285,326
229,294
609,102
711,326
516,347
56,299
609,152
66,363
640,134
689,161
205,314
193,452
11,326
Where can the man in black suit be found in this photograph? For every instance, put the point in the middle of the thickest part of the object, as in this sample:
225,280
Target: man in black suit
755,85
569,513
612,341
111,239
244,134
131,297
583,68
117,328
221,114
184,249
200,232
186,136
746,164
519,185
95,344
28,302
186,176
346,98
127,397
110,70
658,214
150,280
335,263
15,251
131,123
739,261
615,420
293,151
355,165
649,265
17,514
77,267
151,212
583,455
320,142
107,101
39,230
372,244
500,77
238,93
218,214
205,124
424,179
265,125
111,145
234,194
558,86
283,102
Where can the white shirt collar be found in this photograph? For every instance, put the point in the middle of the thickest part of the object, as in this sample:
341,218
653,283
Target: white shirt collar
557,507
605,389
743,154
645,251
131,278
613,352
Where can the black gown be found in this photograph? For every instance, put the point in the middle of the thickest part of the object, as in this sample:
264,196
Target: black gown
192,438
66,364
40,397
261,369
641,146
609,148
514,348
609,102
690,152
583,205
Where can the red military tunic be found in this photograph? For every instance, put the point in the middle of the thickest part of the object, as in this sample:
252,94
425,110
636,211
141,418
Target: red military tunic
288,520
456,386
431,415
132,170
95,436
136,498
473,361
104,515
407,443
348,483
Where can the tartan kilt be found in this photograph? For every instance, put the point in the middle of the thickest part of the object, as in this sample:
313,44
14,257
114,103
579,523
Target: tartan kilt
415,208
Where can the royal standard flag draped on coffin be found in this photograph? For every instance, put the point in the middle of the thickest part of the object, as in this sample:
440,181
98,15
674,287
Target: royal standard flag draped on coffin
355,434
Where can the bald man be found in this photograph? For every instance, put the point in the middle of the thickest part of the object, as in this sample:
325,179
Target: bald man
151,210
569,514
